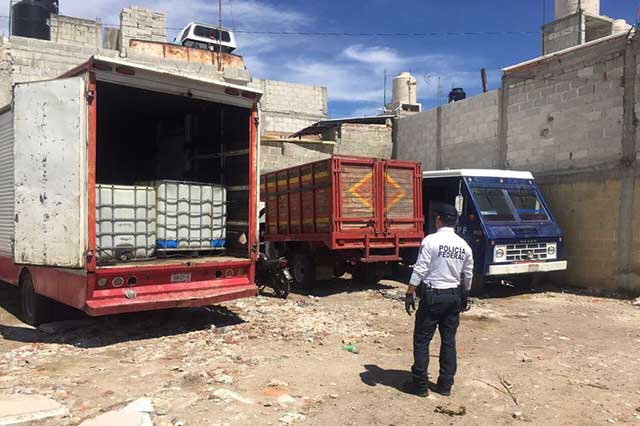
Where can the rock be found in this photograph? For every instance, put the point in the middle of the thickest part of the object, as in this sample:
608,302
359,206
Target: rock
120,418
636,302
19,409
517,415
284,400
334,396
273,383
136,413
64,326
291,418
227,395
223,379
142,405
451,411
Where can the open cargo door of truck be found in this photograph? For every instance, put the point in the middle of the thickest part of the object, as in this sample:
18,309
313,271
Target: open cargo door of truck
51,173
402,185
358,203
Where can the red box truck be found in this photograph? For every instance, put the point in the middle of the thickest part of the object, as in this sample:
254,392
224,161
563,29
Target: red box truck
343,214
66,145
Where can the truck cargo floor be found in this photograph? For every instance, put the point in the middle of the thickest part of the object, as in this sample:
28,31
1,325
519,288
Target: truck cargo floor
177,261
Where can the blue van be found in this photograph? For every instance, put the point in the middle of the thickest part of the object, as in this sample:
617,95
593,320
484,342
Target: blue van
503,217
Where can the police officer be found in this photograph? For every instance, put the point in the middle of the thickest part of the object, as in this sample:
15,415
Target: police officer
444,260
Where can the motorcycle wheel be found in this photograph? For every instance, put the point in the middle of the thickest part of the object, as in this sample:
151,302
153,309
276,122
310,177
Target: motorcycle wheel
282,287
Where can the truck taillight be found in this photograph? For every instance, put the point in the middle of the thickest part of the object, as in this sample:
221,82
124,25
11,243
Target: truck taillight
228,273
102,282
117,282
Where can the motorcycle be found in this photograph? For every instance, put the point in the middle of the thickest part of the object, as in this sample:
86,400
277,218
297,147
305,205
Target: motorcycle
275,274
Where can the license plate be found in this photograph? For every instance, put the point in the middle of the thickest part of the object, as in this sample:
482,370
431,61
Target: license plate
534,268
181,278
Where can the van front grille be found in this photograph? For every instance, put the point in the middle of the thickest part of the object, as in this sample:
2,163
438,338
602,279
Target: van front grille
535,251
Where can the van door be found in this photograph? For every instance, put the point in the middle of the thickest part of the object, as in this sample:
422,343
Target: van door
51,173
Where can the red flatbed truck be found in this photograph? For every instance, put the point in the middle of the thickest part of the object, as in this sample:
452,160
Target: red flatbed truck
111,121
343,214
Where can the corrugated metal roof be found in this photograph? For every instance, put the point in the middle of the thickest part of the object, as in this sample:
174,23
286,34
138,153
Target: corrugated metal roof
325,124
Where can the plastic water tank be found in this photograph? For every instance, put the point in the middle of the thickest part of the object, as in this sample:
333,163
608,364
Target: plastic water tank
457,94
569,7
620,26
405,89
32,18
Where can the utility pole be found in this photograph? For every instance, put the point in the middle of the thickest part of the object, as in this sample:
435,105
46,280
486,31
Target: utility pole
219,36
384,106
483,75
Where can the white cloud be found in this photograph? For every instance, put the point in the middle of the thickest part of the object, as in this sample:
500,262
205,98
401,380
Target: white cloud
353,74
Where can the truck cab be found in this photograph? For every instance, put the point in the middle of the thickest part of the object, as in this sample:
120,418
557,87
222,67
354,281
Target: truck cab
503,217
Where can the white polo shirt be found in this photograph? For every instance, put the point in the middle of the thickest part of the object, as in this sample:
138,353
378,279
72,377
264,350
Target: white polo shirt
443,260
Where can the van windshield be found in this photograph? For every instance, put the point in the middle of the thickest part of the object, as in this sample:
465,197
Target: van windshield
528,205
493,205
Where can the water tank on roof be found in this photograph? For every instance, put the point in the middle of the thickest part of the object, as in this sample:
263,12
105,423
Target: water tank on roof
457,94
405,89
32,18
569,7
620,26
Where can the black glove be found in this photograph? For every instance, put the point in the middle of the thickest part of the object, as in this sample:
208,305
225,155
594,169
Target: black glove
410,303
465,301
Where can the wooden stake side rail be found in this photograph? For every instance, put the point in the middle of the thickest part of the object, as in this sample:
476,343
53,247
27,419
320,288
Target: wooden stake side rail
346,203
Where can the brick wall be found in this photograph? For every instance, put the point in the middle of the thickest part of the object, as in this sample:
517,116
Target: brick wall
142,24
81,32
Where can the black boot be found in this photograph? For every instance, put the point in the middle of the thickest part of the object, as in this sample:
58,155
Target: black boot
442,389
410,387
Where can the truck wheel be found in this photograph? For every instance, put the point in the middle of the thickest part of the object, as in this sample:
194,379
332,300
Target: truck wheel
303,270
36,309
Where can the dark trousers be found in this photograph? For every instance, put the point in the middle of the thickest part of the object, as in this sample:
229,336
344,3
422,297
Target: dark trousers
443,313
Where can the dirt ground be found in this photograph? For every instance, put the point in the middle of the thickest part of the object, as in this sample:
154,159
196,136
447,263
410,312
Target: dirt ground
541,357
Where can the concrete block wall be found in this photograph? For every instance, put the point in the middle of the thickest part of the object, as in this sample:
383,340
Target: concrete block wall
142,24
572,120
280,155
561,34
469,132
6,68
459,135
416,138
81,32
289,107
39,59
568,113
366,140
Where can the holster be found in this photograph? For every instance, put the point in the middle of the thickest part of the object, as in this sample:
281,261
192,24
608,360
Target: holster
426,296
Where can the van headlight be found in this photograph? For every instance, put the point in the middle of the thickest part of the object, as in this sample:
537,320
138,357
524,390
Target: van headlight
552,251
500,254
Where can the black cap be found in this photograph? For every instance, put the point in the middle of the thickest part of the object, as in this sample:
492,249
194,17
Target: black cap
445,210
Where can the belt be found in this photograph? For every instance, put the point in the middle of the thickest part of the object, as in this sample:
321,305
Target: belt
442,290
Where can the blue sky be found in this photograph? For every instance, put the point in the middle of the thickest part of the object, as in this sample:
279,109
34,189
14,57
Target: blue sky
353,67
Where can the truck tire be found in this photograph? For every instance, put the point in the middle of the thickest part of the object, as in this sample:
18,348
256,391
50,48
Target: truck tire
303,270
35,308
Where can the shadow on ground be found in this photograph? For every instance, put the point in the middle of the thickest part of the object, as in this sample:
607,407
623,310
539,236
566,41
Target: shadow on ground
110,330
339,285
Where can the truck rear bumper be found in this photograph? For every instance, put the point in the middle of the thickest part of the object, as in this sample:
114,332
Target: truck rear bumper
165,296
527,268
